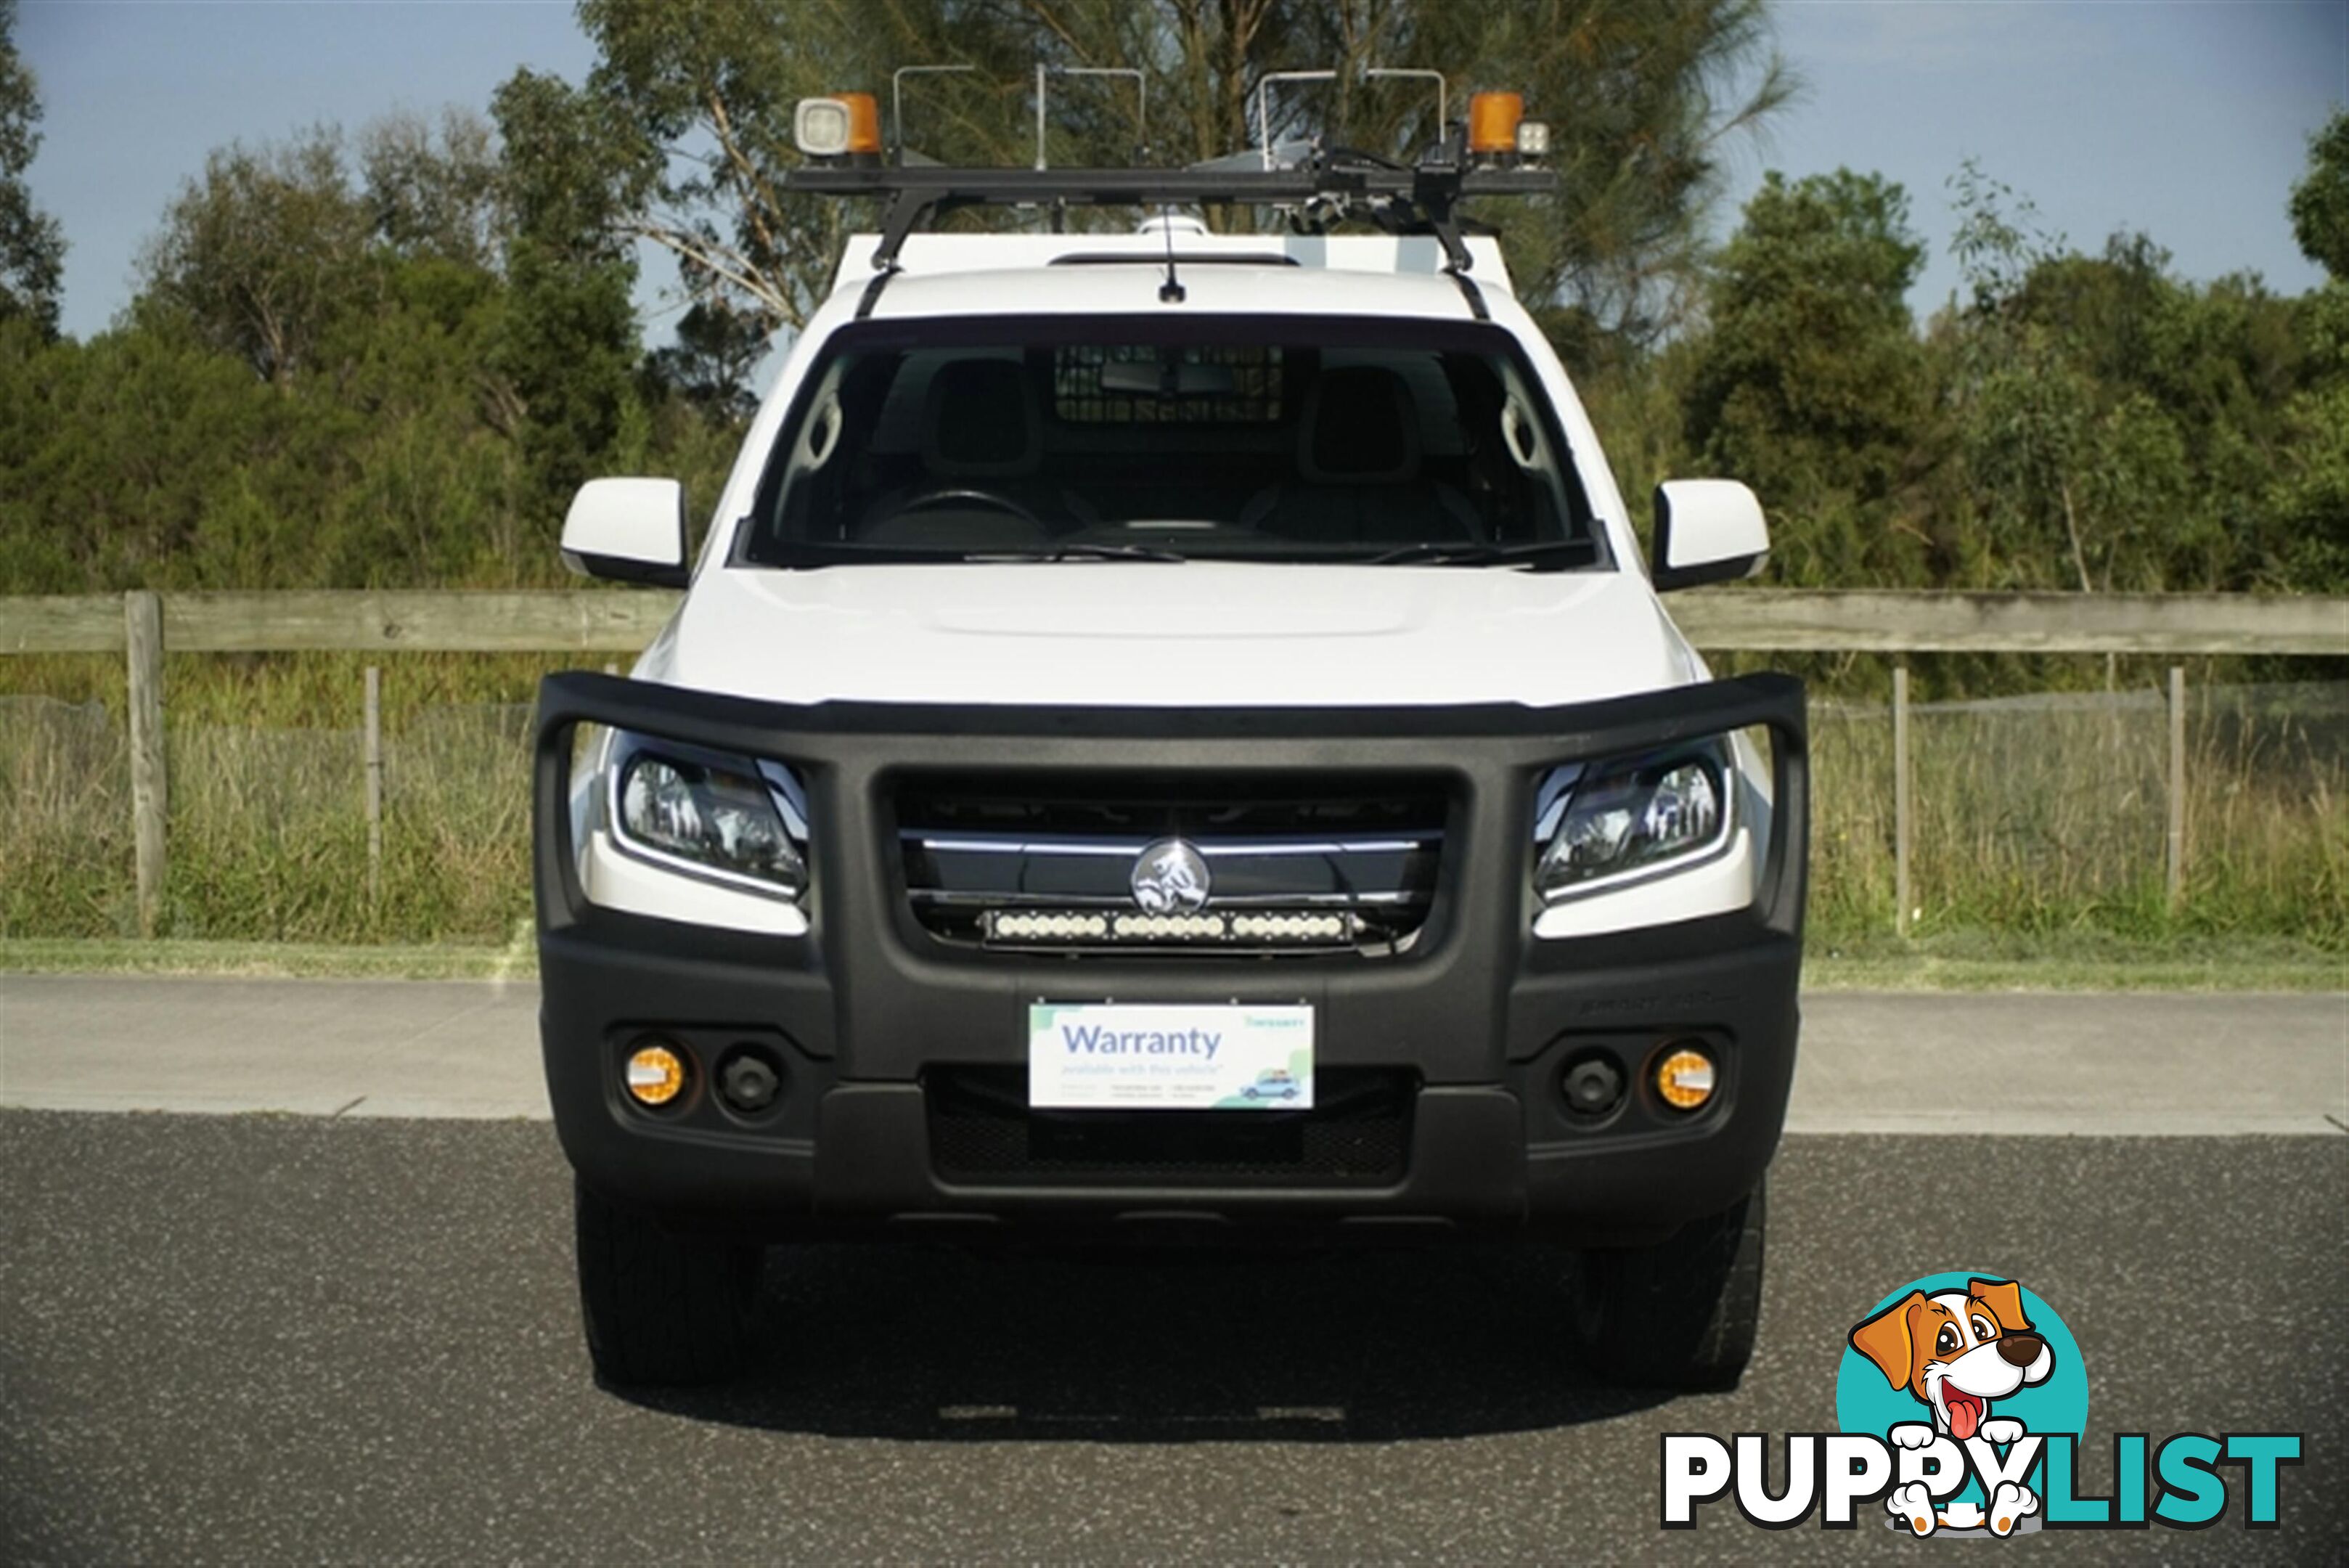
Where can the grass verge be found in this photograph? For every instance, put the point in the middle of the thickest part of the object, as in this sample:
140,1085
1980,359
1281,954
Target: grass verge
1959,961
303,960
2072,961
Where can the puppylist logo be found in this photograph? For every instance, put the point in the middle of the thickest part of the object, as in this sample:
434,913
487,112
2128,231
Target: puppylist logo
1963,1400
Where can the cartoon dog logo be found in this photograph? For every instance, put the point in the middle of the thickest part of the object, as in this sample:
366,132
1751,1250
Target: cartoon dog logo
1955,1352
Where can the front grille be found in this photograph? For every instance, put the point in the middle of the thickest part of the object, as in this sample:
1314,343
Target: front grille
982,1132
1039,864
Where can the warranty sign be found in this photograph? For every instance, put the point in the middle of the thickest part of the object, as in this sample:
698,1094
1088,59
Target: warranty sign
1124,1056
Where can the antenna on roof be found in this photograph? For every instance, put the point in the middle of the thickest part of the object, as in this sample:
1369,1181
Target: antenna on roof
1171,291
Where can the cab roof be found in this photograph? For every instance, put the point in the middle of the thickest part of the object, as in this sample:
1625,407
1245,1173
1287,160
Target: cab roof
1344,274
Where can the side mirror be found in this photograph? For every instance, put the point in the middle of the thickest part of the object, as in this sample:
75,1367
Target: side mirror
1707,531
628,530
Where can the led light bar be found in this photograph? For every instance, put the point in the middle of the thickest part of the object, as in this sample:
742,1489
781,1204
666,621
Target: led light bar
1057,925
1290,927
1062,927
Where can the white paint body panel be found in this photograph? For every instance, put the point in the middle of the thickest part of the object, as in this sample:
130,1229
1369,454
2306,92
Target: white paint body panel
1160,635
1715,520
626,520
1157,634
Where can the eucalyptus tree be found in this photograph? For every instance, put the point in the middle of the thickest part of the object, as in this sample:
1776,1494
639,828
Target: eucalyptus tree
32,246
682,131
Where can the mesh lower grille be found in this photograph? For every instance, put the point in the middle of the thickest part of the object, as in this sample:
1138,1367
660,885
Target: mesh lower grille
981,1131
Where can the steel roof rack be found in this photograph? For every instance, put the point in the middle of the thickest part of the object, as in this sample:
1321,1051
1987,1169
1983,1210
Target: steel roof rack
1325,186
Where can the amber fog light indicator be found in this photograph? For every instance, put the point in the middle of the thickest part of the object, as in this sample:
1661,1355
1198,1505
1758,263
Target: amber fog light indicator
654,1075
1685,1078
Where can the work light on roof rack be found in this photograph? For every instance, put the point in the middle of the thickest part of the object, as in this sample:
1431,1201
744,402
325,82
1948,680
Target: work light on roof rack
1495,152
841,126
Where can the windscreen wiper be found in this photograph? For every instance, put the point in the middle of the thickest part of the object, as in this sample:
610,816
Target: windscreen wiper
1079,552
1546,553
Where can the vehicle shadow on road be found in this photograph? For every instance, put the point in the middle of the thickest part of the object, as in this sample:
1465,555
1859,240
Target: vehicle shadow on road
936,1344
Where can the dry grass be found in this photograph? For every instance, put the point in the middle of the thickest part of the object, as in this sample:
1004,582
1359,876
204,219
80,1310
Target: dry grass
2038,816
268,834
2049,814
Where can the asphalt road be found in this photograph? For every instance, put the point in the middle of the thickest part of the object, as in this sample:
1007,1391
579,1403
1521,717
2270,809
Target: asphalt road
269,1339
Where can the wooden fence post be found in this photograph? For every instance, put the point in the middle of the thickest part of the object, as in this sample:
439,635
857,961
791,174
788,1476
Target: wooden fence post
372,752
2176,867
142,641
1900,818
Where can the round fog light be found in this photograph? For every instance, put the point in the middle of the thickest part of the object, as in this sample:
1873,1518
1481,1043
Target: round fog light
749,1083
1592,1085
1685,1078
656,1075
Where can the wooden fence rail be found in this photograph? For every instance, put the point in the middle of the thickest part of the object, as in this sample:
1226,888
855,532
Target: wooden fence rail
142,626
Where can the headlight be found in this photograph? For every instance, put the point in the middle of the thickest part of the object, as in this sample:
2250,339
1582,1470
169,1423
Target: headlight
726,818
1600,821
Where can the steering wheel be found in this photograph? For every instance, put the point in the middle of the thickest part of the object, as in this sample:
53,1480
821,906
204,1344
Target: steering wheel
969,495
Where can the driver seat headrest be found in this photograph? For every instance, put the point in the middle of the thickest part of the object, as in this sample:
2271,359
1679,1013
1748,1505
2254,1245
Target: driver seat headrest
1361,427
979,421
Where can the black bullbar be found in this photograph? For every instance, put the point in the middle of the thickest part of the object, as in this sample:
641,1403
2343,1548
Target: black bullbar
1474,1028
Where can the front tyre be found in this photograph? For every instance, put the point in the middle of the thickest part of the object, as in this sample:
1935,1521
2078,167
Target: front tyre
661,1308
1681,1315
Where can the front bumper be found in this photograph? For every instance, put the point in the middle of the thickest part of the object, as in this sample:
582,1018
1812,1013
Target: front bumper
889,1039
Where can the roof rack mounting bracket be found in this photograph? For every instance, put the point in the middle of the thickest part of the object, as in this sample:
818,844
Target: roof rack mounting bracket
1459,274
910,208
1435,190
907,209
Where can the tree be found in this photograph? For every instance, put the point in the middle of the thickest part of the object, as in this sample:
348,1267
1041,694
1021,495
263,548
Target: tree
709,365
436,194
569,346
2320,203
2203,370
2308,500
1641,100
32,246
262,248
2025,407
269,245
368,360
1809,381
689,108
2121,429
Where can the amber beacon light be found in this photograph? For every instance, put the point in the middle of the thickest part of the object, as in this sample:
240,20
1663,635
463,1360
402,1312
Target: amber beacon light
1493,121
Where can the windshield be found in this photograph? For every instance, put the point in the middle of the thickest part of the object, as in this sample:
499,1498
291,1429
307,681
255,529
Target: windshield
1171,437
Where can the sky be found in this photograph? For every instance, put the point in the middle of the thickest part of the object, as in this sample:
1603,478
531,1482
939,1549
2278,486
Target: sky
2188,120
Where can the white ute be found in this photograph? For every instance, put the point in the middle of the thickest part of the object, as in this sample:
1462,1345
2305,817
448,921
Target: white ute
1125,670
